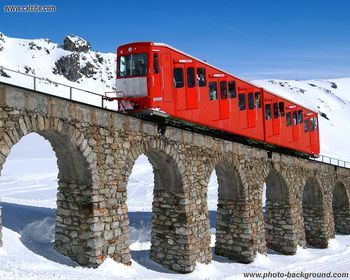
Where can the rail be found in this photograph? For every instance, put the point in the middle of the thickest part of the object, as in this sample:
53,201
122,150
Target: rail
73,95
55,88
332,161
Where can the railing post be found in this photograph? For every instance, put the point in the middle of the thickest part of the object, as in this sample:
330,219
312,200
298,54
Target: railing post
34,83
70,93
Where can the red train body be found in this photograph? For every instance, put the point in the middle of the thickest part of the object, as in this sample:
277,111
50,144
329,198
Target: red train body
157,76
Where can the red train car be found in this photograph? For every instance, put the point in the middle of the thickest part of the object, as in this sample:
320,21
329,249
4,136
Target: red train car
159,77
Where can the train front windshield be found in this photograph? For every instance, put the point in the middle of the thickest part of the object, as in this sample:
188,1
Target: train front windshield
132,65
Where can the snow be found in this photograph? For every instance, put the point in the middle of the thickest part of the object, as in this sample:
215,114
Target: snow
28,187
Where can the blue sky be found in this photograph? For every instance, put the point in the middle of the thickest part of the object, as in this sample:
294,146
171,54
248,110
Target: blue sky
295,39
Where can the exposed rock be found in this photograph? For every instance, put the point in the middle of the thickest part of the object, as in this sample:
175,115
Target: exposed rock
3,73
69,67
76,44
88,70
33,46
334,85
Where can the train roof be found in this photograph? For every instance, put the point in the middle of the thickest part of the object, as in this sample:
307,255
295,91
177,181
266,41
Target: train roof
215,67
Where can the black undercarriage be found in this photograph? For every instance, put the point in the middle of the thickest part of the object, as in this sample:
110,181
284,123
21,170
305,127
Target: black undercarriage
164,120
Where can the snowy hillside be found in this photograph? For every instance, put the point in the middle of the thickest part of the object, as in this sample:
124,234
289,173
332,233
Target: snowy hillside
28,182
72,63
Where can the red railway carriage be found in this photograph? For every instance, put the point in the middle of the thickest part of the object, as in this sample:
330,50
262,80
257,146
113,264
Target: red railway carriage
159,77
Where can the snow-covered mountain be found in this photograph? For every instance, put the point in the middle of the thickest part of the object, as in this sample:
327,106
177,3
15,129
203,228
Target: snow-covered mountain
75,64
72,63
28,183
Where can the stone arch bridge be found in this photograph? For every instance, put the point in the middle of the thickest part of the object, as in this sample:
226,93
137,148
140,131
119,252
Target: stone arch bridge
306,201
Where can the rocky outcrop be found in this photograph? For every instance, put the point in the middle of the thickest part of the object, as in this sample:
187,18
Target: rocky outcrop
76,44
69,67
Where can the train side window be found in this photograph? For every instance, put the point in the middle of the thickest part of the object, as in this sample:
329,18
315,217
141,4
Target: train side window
275,110
289,118
241,101
306,125
258,99
281,108
250,101
232,89
201,77
223,90
178,77
300,116
155,63
190,77
268,111
213,91
316,123
312,124
295,118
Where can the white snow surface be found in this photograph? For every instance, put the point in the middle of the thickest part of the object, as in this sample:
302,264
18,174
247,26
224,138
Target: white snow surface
28,187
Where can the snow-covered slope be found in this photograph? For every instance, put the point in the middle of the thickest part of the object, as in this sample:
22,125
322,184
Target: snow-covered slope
72,63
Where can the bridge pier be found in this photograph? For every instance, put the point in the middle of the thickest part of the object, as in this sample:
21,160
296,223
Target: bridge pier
281,211
239,229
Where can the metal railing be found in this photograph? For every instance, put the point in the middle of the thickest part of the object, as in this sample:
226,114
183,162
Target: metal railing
103,97
332,161
38,84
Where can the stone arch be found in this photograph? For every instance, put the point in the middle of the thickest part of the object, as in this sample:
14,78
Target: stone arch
341,209
279,222
314,214
75,162
232,239
171,233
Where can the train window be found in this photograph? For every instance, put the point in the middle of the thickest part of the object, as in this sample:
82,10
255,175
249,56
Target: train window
179,77
300,116
250,101
312,124
201,77
190,77
258,100
295,118
213,91
241,101
306,125
223,90
132,65
289,118
316,123
232,89
275,110
268,111
281,108
155,63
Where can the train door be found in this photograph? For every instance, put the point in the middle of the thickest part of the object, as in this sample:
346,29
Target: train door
251,110
224,105
276,118
180,88
242,109
268,118
191,95
213,111
313,133
167,78
295,126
